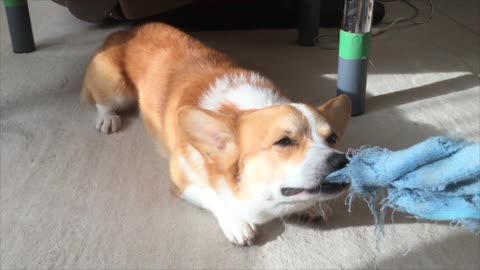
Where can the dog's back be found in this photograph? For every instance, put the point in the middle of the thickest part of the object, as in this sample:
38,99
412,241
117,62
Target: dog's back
153,64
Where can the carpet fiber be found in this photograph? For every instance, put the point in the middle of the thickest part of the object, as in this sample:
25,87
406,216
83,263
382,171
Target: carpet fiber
72,198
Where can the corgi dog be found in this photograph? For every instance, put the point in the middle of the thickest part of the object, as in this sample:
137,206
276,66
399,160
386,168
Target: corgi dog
236,145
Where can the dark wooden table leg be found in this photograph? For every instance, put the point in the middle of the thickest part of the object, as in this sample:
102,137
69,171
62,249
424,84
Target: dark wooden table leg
308,22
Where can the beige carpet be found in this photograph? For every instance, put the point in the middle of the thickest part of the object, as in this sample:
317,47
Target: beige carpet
75,199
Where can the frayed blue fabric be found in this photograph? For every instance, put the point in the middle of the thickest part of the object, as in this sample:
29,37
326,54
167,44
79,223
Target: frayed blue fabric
437,180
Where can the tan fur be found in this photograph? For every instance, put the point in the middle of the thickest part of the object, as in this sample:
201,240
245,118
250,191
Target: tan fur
105,78
163,64
337,112
167,72
284,120
225,159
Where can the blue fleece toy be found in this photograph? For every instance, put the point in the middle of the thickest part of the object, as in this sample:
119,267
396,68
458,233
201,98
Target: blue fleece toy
438,180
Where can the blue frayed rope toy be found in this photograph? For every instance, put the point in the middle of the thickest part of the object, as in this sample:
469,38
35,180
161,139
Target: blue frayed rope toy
437,180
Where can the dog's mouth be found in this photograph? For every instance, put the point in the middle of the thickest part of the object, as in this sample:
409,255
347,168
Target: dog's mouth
326,188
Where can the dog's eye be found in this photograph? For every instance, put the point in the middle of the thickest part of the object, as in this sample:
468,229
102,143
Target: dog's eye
285,141
332,139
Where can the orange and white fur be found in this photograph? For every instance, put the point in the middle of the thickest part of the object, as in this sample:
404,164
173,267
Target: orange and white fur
236,145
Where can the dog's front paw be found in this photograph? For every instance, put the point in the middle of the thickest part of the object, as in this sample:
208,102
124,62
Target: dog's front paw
237,231
108,122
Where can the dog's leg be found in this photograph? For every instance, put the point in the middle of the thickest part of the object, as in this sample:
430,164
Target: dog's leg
107,119
106,86
235,229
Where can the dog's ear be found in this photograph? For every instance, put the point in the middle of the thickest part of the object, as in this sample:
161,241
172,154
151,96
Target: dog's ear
337,111
211,133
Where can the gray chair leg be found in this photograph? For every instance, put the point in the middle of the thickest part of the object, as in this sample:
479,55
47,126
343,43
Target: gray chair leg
308,22
354,50
19,25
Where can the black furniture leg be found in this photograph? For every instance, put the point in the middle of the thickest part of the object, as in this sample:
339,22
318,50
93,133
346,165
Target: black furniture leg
308,22
19,25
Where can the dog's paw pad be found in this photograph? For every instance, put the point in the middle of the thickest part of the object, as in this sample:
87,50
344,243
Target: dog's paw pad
107,123
238,232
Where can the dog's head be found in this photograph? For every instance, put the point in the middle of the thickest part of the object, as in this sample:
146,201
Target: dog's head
275,158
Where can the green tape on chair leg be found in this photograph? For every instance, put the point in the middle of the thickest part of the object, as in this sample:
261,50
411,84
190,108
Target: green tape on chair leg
14,3
354,46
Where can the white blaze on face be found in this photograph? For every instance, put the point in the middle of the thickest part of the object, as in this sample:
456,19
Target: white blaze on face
312,122
309,173
306,174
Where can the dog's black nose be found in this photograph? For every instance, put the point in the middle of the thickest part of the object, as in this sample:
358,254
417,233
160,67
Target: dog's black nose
337,161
